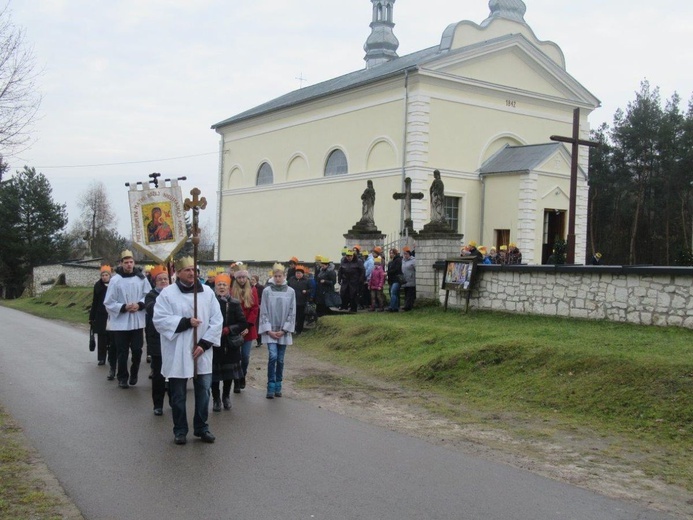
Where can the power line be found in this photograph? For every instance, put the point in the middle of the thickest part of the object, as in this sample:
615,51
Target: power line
121,163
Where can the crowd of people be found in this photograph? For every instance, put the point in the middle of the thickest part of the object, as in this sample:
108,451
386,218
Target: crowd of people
196,330
234,312
504,255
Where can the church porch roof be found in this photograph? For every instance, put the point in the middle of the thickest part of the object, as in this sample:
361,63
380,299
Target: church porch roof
519,158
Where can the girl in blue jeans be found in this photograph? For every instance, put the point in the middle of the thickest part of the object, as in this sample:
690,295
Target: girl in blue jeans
276,325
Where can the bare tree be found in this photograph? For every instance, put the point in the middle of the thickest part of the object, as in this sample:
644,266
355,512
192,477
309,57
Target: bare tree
97,222
19,98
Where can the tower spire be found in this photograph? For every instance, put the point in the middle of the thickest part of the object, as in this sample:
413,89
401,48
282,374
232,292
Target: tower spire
381,45
509,9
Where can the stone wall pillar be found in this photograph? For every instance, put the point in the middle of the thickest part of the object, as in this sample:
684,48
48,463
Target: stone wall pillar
429,250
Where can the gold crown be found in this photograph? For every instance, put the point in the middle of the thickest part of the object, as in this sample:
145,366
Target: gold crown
126,254
278,267
186,261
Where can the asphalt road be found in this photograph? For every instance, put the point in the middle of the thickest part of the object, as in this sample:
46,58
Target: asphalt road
273,459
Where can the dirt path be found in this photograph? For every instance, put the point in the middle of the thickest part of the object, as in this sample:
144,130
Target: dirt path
578,457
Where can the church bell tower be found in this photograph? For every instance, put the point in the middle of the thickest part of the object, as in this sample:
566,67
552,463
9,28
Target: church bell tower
381,45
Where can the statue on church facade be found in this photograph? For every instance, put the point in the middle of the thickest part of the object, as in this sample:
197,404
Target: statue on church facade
437,192
366,226
368,204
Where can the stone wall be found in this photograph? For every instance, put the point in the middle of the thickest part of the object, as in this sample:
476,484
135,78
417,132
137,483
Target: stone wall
86,273
643,295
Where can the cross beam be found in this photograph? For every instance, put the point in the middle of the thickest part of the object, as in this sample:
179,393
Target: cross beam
576,142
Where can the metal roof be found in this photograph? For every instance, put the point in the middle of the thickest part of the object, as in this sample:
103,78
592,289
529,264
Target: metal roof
519,158
331,86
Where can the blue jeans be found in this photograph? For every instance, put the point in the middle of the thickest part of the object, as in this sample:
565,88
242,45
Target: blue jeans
177,389
245,355
275,364
394,296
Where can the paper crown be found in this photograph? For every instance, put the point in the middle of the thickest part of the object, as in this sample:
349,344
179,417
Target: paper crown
126,254
378,249
301,268
278,267
105,268
156,271
472,243
223,277
293,259
185,262
378,260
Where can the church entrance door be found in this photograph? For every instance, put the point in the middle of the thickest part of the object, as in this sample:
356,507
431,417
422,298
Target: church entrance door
554,228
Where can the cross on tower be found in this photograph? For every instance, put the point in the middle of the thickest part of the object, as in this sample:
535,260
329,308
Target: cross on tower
576,142
301,79
407,196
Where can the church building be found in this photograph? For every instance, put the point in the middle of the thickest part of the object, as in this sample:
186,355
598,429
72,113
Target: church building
480,107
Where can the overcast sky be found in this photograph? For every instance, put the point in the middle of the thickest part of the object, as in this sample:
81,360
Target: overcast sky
131,87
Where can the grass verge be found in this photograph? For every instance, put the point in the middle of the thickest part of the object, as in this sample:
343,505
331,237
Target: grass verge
23,483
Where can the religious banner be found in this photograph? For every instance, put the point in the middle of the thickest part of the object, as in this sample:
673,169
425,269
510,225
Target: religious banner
158,220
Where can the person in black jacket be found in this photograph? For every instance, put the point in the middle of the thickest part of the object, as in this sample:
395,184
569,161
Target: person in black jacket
160,278
301,286
226,362
98,319
351,276
394,279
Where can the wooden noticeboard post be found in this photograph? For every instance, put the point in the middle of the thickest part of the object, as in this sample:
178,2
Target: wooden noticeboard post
459,276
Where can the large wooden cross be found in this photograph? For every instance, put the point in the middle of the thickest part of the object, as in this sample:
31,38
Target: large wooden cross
576,142
407,197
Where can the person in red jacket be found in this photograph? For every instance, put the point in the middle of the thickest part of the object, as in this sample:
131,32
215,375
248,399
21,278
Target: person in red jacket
376,284
243,291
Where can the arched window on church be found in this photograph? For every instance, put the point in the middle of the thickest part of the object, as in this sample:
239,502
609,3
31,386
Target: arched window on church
265,175
336,164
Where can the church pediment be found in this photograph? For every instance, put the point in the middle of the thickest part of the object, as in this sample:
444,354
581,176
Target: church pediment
512,62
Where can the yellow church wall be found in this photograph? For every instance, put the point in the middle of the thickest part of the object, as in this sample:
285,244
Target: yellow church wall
275,222
507,67
469,33
367,130
501,207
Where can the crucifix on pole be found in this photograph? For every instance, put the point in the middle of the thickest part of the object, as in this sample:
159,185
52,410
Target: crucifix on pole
576,142
407,196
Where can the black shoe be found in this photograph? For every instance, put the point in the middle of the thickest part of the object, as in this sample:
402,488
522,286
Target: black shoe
151,374
111,375
277,394
216,405
123,384
242,385
101,362
180,439
236,386
226,402
133,380
206,437
149,359
158,411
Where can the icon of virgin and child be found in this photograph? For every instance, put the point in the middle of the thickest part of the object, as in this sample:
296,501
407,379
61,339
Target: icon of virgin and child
158,229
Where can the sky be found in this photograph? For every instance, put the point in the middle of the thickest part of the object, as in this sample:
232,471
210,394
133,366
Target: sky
131,87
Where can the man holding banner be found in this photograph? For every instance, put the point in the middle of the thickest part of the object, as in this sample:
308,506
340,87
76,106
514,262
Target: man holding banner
182,358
